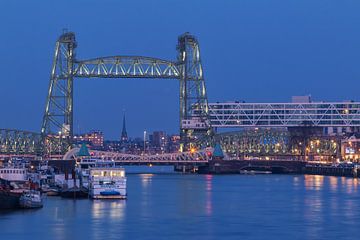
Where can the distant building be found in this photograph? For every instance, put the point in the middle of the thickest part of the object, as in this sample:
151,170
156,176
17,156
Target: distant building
159,142
94,138
350,149
174,143
113,146
301,99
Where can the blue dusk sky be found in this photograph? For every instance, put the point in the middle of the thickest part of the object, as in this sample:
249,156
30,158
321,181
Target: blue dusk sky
252,50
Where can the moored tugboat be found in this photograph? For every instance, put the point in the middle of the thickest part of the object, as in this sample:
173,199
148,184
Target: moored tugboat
31,199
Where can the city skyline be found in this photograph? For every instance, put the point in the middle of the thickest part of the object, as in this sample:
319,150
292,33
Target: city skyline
180,119
248,53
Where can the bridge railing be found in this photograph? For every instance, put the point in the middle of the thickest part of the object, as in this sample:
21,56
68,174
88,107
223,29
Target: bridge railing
201,156
184,157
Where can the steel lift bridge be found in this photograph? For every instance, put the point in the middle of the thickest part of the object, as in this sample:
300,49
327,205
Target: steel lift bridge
57,125
198,118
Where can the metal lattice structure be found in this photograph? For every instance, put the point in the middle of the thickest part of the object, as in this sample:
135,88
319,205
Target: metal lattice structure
202,156
126,67
56,129
16,142
57,126
276,142
322,114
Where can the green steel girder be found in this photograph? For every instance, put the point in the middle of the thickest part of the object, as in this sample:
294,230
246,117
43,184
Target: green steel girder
19,142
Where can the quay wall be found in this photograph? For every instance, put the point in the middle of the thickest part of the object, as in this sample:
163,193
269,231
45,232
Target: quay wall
277,166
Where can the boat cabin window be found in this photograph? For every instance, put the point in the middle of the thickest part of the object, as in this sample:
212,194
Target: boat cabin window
108,173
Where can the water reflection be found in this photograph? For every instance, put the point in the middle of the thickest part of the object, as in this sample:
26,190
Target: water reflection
296,181
146,179
109,213
313,205
208,205
113,209
352,185
333,183
61,215
314,182
216,207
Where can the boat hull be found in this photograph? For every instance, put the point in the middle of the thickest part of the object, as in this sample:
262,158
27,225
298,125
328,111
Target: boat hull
108,195
30,204
9,200
74,193
53,193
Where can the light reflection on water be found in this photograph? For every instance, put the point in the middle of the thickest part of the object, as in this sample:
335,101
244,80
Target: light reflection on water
107,212
208,205
189,206
329,201
146,179
314,182
113,209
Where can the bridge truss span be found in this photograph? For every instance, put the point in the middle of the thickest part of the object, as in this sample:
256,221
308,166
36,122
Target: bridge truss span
17,142
126,67
201,156
321,114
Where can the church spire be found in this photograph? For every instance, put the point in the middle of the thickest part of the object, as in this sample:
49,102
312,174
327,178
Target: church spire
124,136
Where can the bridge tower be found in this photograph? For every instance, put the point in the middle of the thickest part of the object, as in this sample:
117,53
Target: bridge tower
57,125
194,109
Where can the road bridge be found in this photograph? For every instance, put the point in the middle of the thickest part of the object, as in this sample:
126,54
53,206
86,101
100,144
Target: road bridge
191,157
19,143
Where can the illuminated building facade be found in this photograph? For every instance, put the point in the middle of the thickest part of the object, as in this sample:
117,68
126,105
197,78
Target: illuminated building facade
350,149
95,138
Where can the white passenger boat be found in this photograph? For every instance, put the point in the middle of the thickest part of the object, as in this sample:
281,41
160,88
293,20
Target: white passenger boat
107,183
84,165
14,173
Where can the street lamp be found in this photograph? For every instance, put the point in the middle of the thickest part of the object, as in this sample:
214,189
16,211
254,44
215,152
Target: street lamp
60,147
144,141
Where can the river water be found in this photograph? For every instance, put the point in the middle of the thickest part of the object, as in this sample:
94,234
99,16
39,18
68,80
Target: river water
184,206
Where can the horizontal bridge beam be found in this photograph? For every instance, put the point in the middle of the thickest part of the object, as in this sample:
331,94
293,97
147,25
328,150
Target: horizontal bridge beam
322,114
126,67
